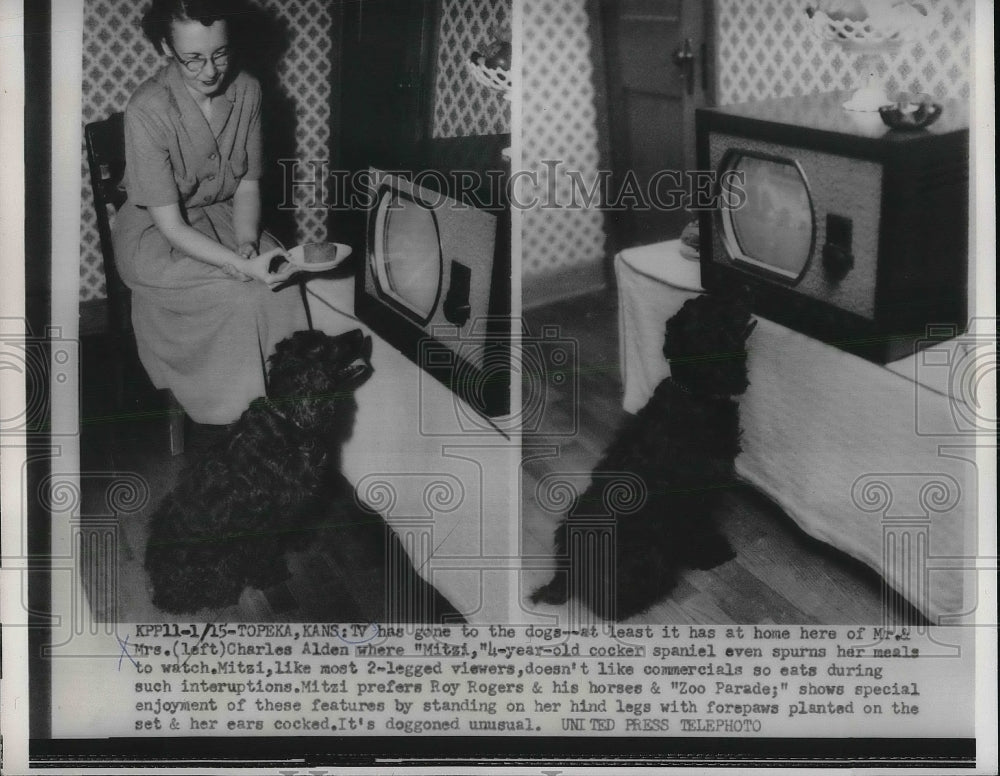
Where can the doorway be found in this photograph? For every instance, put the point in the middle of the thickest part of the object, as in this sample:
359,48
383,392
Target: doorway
659,57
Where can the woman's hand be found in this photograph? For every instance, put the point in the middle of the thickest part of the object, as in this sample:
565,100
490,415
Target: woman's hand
248,249
242,264
235,273
259,267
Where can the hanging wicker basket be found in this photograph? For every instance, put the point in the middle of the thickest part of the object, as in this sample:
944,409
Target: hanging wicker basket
494,78
875,32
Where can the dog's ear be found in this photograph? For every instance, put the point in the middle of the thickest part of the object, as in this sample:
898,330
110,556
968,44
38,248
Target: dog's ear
676,326
737,310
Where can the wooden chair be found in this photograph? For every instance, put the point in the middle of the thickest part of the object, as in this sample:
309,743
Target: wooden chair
106,157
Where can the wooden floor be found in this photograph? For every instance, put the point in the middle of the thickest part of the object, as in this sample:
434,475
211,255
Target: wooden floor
779,574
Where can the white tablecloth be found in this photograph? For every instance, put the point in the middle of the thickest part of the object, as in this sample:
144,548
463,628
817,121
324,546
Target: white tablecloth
644,309
866,458
434,469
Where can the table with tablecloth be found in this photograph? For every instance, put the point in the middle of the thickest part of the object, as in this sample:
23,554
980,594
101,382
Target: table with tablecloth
875,460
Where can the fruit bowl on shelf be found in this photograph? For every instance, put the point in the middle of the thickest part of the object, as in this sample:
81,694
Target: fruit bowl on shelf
910,112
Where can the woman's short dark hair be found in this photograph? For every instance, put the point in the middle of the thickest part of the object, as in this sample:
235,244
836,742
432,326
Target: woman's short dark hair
162,13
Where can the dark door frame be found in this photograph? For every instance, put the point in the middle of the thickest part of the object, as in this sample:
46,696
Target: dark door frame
351,147
706,75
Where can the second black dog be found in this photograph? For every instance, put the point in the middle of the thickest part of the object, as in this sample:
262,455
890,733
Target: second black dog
681,447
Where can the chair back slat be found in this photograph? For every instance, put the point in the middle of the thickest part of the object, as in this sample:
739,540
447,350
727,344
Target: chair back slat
106,158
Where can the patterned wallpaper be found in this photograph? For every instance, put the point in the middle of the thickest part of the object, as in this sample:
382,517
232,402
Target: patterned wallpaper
559,123
117,58
461,105
765,49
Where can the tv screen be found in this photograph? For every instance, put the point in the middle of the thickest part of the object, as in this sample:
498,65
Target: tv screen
407,255
767,213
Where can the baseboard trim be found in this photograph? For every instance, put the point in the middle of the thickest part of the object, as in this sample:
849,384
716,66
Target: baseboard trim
566,283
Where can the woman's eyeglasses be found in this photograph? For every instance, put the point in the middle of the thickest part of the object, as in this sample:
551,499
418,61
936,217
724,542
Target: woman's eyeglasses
197,63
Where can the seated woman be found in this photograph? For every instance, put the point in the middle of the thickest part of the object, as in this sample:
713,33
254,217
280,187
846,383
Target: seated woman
188,240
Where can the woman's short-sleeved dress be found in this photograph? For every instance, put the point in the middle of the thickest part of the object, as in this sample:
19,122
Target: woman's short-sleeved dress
200,333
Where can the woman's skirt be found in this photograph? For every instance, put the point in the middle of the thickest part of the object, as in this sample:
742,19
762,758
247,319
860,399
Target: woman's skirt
200,333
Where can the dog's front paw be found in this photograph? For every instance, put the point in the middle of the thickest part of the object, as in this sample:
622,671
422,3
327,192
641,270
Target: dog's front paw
553,593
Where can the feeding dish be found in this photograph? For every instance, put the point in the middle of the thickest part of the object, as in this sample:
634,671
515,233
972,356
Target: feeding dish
317,257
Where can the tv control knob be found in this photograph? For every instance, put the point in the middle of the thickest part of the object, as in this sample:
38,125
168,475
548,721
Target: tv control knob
457,308
457,314
837,262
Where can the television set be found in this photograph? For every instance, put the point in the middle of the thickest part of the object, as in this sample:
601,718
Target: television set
841,228
435,280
